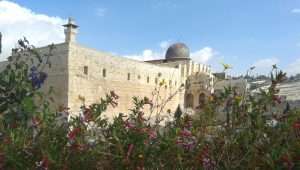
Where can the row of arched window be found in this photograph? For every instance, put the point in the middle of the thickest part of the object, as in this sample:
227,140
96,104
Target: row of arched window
189,100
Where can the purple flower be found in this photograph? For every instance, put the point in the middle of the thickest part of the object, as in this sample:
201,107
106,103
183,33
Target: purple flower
205,159
208,164
186,140
37,78
189,145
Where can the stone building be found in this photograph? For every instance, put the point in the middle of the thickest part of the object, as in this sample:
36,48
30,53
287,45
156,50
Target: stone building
81,75
289,90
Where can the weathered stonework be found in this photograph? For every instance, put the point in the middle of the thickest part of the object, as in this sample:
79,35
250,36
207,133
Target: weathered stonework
81,75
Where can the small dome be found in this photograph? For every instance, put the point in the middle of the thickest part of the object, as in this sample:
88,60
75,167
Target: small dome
178,51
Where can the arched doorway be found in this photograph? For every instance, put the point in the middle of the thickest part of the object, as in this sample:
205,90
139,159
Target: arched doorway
189,101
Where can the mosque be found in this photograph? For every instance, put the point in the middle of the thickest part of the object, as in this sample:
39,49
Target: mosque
81,75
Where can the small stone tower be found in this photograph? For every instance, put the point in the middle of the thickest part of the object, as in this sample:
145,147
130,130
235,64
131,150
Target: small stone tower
70,31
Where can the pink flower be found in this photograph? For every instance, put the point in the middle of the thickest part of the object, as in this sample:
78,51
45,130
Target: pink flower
185,133
43,164
186,140
296,125
129,151
152,134
207,162
129,125
277,99
72,135
35,121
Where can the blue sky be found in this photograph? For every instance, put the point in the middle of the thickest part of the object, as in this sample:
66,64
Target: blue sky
242,33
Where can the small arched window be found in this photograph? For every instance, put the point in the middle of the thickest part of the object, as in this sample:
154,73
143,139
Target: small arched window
86,70
148,79
128,76
104,72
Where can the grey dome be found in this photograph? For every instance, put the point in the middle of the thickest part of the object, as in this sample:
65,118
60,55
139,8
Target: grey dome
178,51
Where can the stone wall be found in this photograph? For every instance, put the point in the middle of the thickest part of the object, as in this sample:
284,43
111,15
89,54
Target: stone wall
291,90
81,75
126,77
57,73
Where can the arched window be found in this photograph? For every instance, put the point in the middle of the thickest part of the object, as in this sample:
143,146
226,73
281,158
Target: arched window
189,101
128,76
104,72
148,79
202,99
85,70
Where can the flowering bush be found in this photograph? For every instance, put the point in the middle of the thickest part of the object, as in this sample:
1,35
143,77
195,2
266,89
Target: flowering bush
32,137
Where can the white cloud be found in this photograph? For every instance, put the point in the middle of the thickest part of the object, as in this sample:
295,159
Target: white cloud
147,54
203,55
100,12
295,10
165,44
293,68
264,66
17,21
266,62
